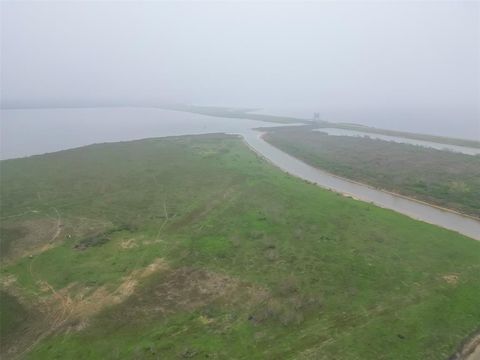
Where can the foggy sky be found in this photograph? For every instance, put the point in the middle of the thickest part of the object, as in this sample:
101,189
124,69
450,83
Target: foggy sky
370,57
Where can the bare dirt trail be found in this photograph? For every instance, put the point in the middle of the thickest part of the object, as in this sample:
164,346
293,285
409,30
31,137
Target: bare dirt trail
58,230
470,349
18,215
55,317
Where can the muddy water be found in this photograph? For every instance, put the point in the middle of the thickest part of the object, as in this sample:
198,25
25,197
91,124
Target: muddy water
417,210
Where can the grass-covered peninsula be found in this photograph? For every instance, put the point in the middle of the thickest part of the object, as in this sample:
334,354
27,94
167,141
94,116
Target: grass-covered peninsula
194,247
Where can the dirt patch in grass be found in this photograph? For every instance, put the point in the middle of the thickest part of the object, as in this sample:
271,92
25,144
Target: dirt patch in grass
79,227
129,244
286,305
451,279
7,280
470,349
71,308
30,236
86,303
100,238
188,289
34,236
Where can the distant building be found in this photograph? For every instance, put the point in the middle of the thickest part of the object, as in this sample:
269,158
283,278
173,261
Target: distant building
316,116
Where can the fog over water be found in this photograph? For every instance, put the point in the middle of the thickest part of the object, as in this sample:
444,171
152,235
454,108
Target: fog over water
411,66
27,132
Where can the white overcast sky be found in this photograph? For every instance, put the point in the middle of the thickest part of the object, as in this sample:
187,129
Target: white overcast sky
419,57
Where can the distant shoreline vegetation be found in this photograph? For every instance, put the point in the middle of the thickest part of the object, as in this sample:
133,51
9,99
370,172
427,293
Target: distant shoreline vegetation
248,113
409,135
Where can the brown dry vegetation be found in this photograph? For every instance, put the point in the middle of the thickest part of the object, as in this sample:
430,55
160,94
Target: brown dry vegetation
69,309
187,289
29,237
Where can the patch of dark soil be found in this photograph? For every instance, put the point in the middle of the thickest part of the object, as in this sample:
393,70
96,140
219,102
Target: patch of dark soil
287,305
8,235
97,240
101,239
20,237
181,289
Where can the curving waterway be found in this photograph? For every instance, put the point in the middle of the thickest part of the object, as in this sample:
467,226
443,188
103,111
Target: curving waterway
32,132
401,140
415,209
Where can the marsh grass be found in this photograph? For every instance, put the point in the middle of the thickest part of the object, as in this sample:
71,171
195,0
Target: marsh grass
443,178
258,264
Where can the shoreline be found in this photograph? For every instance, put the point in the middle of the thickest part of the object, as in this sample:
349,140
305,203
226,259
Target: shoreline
474,236
383,190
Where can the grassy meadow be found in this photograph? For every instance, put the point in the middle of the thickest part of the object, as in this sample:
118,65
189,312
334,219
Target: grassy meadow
443,178
194,247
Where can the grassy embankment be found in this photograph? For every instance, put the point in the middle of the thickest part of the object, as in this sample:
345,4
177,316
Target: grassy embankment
194,247
405,134
240,113
443,178
247,113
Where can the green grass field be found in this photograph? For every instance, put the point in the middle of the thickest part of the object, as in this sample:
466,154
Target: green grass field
194,247
443,178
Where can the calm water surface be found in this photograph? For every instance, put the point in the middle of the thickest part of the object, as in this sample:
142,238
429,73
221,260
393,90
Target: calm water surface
428,144
37,131
32,132
439,122
414,209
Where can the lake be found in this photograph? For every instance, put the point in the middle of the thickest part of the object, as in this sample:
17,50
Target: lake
28,132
